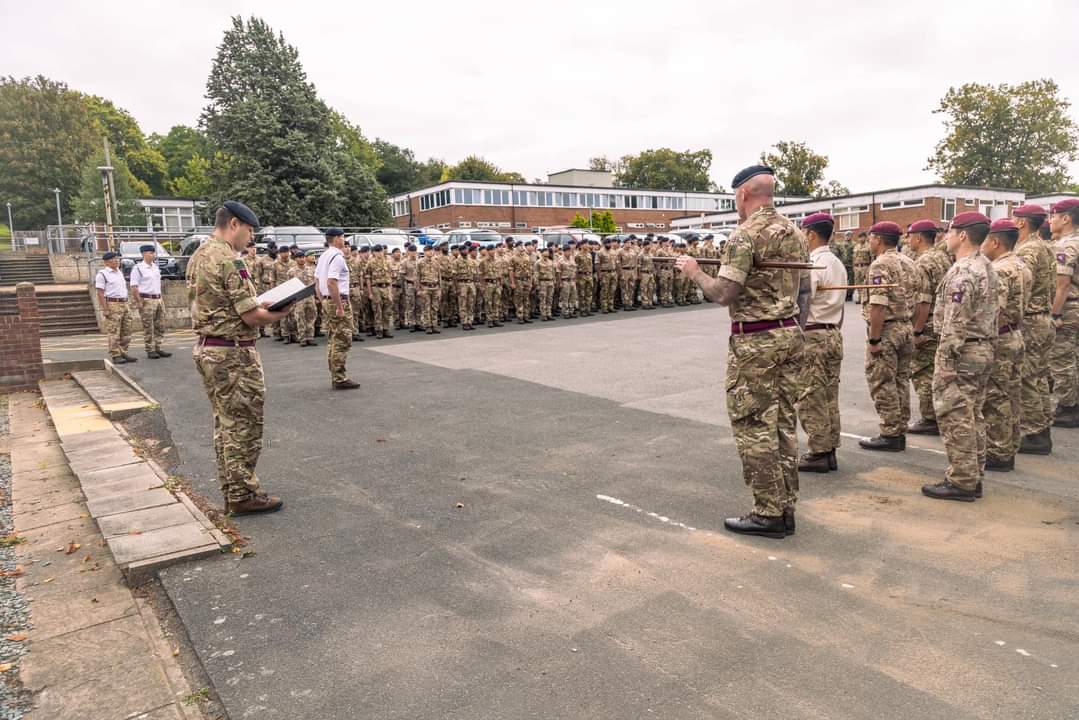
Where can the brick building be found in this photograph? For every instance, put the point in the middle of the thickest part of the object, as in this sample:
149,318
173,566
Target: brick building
522,206
858,212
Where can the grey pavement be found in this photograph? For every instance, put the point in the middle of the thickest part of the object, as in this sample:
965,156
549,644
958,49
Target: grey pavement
526,523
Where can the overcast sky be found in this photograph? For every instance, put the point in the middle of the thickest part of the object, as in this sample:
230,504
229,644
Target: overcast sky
537,87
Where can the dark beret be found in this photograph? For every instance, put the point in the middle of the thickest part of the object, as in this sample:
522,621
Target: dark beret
334,232
363,249
147,248
709,237
919,226
271,251
397,250
1003,225
886,227
1066,205
535,242
819,218
749,172
241,212
410,247
647,242
967,219
454,246
110,255
1029,211
378,248
251,243
296,252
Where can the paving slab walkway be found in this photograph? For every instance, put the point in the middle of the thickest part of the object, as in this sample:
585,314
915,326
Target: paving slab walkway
96,652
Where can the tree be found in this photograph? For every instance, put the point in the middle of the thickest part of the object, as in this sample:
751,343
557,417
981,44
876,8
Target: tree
580,222
284,153
196,180
351,139
476,169
666,169
146,163
603,222
180,145
1013,136
800,171
46,136
89,203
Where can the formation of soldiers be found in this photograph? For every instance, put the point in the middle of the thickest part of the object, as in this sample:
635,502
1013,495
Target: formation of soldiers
468,285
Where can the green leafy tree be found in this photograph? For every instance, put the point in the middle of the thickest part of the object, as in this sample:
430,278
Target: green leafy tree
476,169
1013,136
398,172
800,171
580,222
180,145
351,139
283,153
431,171
604,222
146,163
196,180
46,136
666,169
89,203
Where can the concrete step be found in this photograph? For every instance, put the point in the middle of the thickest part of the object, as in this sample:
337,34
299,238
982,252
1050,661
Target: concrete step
114,394
66,312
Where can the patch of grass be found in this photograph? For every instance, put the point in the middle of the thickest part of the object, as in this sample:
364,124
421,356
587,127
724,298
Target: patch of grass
199,696
11,540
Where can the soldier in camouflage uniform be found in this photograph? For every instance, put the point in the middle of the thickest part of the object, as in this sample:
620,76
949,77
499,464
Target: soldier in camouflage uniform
585,277
378,281
335,287
765,349
966,325
627,264
491,273
226,320
545,277
567,281
409,283
112,298
262,275
665,276
932,263
467,272
646,271
429,276
397,288
1038,332
359,302
521,282
278,275
889,347
608,277
692,297
1064,356
1003,399
303,312
861,258
679,281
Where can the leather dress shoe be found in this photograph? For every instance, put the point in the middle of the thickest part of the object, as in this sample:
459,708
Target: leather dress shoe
1039,443
895,443
996,465
924,427
162,353
118,360
346,385
129,358
754,524
815,462
258,503
946,491
153,355
788,521
833,463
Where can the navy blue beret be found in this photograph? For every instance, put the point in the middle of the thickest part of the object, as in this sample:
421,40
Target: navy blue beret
242,213
110,255
147,248
749,172
334,232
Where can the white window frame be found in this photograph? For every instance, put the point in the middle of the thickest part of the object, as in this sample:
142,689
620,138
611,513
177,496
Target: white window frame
944,209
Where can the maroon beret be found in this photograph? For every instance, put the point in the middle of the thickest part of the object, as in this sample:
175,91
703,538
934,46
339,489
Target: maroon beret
1029,211
967,219
1003,225
821,218
1065,205
922,226
886,227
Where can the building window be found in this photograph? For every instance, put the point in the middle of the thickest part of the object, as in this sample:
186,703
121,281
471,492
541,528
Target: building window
948,209
463,224
522,225
896,204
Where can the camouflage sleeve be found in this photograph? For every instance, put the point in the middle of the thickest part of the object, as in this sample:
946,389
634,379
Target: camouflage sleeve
955,316
237,286
737,257
1005,285
924,279
880,274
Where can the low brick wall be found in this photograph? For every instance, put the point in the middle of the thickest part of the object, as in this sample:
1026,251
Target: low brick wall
71,269
20,343
177,311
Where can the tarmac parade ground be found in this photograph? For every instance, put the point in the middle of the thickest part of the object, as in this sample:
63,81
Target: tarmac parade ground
527,523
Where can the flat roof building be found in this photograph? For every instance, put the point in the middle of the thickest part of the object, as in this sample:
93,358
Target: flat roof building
858,212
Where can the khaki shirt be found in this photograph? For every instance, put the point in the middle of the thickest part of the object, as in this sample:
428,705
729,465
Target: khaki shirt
1013,293
966,305
1066,250
891,268
1038,256
223,292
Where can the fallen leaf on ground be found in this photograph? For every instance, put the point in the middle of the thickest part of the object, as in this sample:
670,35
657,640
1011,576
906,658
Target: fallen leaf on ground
12,573
47,580
72,547
134,532
4,667
17,637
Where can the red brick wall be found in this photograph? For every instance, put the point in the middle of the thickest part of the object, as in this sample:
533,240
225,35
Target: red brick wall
20,343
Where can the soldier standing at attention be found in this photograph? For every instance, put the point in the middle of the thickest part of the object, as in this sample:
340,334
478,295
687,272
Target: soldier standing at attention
646,270
430,289
491,272
665,276
567,279
279,275
861,258
449,285
966,325
585,288
332,277
146,284
303,312
263,275
1064,223
889,345
226,320
356,260
765,348
605,264
112,299
378,279
1038,331
545,274
1004,394
464,271
628,266
694,251
397,288
521,282
932,263
407,272
822,357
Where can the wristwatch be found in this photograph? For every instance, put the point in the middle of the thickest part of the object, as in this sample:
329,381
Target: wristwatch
874,341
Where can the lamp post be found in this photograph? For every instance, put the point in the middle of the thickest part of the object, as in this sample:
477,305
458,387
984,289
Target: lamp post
59,218
10,225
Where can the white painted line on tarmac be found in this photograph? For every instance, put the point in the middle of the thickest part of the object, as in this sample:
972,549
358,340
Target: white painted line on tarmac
852,436
662,518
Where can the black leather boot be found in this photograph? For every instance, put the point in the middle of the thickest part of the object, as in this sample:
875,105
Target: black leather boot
788,521
1040,443
896,443
815,462
754,524
996,465
946,491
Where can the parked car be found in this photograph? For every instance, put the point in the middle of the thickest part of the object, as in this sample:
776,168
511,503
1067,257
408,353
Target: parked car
130,254
188,246
427,235
306,237
479,236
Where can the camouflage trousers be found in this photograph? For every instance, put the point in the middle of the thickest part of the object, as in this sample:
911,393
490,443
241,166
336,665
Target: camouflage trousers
430,297
818,401
236,388
1003,398
492,299
381,300
118,327
859,279
762,387
1063,359
409,302
338,338
585,291
355,304
959,386
629,287
678,288
663,288
398,293
546,297
1037,400
448,302
466,302
304,315
607,284
568,299
888,376
522,298
508,304
152,315
647,289
921,372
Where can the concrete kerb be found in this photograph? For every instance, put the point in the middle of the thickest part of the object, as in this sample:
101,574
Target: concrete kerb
126,379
